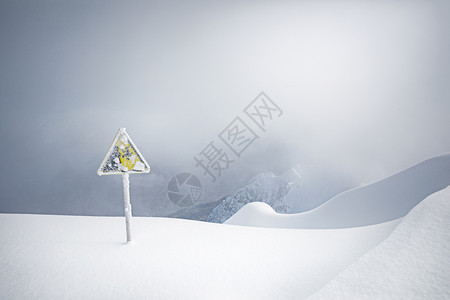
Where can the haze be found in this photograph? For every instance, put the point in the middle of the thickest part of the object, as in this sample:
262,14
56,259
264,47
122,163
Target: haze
364,87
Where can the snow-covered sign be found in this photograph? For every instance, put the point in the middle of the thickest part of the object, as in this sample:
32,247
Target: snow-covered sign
123,156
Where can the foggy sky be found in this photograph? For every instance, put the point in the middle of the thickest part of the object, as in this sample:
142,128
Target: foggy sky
364,86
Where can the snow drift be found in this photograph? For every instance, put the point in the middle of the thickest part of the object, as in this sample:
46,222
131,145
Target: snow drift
383,201
412,263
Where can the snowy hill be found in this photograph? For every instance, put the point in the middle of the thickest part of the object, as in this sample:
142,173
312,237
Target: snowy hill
318,185
383,201
266,188
412,263
70,257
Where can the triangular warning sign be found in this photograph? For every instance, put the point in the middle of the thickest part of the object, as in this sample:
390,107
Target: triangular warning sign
123,156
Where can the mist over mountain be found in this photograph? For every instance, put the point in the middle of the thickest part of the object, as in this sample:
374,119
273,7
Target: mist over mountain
266,188
361,99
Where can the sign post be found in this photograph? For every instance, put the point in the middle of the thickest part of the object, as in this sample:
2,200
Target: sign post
123,158
127,204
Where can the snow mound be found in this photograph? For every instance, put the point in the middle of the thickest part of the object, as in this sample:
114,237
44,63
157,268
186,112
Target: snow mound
385,200
254,214
412,263
265,187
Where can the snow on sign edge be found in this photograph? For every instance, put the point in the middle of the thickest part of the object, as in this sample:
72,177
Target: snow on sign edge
122,131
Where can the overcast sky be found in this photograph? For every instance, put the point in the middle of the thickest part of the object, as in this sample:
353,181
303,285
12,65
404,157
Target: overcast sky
364,87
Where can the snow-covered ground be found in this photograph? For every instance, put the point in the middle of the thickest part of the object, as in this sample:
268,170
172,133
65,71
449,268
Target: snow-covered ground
69,257
412,263
60,257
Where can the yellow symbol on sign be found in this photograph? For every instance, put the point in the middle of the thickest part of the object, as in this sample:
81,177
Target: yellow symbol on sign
123,156
128,157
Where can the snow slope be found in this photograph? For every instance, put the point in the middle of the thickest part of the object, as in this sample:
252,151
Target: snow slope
412,263
69,257
383,201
